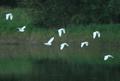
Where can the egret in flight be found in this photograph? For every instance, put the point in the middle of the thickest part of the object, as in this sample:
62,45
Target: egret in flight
9,16
107,56
22,29
84,44
49,43
96,34
61,31
63,45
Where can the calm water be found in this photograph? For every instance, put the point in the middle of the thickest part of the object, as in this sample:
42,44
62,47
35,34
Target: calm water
39,63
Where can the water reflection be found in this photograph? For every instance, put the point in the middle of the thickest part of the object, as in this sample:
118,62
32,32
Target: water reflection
46,64
61,70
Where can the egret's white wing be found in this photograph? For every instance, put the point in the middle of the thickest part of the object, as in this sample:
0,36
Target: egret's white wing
11,16
110,56
23,27
63,30
66,44
51,40
59,33
7,16
94,35
98,34
86,43
61,47
82,44
46,44
107,56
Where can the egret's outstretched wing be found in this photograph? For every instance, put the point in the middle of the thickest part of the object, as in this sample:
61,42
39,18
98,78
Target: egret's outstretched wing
107,56
23,27
84,43
66,44
60,31
63,45
96,33
49,43
63,30
9,15
51,40
46,44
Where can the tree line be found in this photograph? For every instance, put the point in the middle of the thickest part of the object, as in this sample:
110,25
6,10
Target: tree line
52,13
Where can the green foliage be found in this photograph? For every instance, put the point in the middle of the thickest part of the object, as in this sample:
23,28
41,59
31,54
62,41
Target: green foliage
20,18
54,13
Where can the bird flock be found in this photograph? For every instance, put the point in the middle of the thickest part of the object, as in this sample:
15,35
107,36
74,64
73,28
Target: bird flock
61,31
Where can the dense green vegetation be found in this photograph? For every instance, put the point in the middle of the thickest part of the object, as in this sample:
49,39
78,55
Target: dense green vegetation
54,13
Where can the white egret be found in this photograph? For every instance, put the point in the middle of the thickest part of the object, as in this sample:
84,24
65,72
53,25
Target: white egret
49,43
63,45
96,34
22,29
107,56
9,16
84,44
61,31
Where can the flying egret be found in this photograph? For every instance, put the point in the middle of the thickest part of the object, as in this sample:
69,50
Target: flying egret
49,43
84,44
96,34
61,31
107,56
9,16
22,29
63,45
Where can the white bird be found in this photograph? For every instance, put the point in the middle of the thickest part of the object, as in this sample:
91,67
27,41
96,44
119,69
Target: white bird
107,56
96,34
22,29
63,45
84,44
61,31
49,43
9,16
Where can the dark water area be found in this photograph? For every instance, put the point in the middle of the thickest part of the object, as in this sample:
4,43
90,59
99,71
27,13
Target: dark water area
61,70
